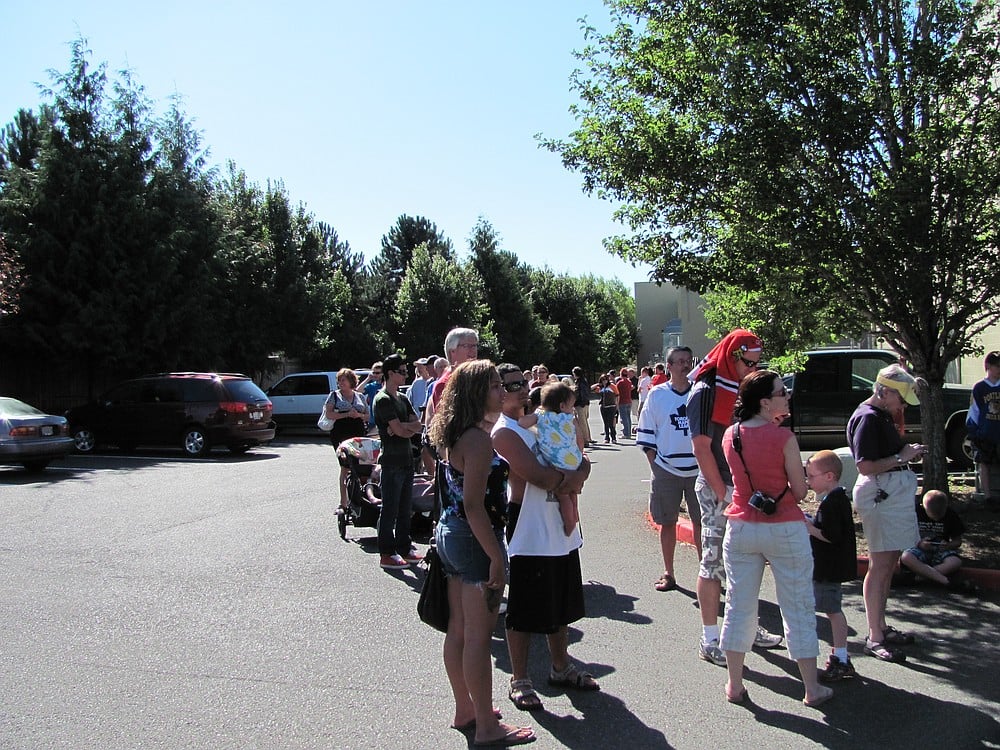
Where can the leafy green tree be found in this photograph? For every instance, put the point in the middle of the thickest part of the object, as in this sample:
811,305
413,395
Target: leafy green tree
10,280
437,295
788,319
283,280
351,342
595,320
854,142
76,223
523,336
398,246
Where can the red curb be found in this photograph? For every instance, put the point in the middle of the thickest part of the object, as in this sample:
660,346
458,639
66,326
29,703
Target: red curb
986,578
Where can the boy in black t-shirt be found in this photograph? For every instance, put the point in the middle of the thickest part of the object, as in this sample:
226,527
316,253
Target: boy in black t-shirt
936,555
835,555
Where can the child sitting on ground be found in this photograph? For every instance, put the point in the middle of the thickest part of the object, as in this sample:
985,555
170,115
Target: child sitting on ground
560,441
835,555
936,555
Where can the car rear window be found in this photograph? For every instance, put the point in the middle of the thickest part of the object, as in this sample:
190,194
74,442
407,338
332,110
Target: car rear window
11,407
244,390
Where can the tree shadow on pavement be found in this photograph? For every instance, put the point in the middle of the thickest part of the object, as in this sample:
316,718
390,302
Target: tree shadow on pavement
868,713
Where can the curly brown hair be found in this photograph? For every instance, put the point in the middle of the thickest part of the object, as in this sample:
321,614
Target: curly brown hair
463,402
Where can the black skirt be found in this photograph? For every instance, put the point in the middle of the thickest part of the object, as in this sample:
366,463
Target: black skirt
545,593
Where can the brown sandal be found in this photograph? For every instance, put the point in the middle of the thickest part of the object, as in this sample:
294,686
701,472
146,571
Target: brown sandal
522,694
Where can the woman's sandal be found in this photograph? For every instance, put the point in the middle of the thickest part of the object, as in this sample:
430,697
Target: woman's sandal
572,677
514,736
666,583
522,694
880,652
470,725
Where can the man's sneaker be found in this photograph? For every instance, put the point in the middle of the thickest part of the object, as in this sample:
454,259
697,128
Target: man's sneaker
393,562
763,639
836,670
413,557
710,651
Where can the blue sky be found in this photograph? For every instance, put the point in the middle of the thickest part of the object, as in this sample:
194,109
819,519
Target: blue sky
364,110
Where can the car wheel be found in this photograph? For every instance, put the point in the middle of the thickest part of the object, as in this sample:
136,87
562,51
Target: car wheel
195,442
959,448
85,440
237,450
35,467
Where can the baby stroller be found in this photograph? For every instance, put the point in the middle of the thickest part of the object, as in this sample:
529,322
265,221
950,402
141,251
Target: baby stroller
360,456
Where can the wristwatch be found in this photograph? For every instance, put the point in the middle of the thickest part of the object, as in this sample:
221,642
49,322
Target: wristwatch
899,459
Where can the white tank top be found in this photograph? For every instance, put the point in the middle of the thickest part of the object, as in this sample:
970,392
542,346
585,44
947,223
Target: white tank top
539,529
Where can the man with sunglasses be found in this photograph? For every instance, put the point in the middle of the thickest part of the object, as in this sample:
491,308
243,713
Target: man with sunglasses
710,407
460,345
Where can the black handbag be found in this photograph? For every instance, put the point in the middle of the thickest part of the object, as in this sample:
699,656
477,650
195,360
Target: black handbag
432,606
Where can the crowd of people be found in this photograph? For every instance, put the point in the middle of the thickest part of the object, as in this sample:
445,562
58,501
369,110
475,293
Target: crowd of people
713,437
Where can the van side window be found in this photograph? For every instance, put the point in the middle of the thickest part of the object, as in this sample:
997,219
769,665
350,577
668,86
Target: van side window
199,390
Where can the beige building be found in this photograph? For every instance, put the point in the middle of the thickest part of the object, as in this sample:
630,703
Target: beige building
669,316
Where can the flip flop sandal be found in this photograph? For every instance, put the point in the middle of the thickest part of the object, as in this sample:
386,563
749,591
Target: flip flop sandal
666,583
516,736
470,725
522,694
895,637
572,677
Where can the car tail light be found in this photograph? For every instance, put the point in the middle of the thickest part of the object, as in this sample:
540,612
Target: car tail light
234,407
24,432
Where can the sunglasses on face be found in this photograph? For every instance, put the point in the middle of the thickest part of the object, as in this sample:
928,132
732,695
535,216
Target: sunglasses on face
514,386
748,362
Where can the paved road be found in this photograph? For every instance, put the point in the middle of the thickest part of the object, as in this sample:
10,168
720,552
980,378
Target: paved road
157,602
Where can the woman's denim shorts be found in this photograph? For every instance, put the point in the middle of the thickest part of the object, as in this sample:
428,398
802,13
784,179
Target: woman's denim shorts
461,553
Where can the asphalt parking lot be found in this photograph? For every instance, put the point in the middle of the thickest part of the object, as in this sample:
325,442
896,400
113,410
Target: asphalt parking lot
157,601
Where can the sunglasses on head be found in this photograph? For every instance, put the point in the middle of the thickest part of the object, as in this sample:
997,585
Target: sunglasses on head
514,386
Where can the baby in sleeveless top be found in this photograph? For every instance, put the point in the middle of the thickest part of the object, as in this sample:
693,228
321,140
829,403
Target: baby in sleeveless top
560,441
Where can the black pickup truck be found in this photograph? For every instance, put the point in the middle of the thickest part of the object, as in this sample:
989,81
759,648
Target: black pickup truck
835,381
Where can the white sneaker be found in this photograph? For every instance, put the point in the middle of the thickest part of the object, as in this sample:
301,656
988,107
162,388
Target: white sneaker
763,639
710,651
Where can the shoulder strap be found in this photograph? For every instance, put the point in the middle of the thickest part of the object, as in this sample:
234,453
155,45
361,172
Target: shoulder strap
738,447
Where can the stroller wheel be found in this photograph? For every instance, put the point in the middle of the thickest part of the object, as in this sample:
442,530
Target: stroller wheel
342,524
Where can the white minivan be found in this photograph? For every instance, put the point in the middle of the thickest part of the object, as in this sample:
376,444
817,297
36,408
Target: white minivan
298,398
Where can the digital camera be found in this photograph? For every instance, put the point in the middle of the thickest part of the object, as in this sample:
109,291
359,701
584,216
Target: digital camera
766,505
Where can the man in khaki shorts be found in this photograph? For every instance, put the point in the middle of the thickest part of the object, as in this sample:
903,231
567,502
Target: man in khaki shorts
665,438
